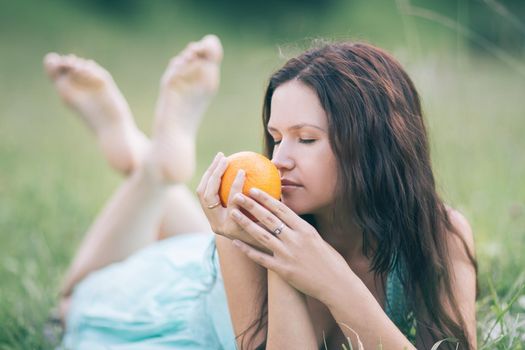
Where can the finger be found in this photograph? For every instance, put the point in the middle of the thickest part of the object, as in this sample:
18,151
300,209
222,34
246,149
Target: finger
211,192
237,185
263,259
266,217
285,214
257,232
205,177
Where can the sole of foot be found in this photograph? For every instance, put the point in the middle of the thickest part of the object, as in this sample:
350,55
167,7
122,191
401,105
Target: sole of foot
89,90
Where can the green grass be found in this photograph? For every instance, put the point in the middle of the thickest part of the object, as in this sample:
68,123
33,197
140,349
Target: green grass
53,180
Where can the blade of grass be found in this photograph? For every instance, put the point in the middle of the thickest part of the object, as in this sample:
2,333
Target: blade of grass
436,345
359,343
500,315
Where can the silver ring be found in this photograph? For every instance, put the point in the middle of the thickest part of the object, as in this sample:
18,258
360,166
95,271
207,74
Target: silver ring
279,229
214,205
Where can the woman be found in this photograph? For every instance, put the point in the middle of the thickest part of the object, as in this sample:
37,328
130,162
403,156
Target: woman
361,245
125,289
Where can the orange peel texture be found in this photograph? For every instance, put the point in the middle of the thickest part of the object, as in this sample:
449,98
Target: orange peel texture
260,173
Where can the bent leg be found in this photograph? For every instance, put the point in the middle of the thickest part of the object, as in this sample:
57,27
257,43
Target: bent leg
187,87
128,222
182,214
132,217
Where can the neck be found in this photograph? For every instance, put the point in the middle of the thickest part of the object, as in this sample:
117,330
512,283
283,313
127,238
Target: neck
348,242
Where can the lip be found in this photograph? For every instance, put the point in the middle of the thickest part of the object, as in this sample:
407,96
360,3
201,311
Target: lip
289,188
289,183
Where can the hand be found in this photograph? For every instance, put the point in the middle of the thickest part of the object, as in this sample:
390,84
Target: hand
300,255
219,217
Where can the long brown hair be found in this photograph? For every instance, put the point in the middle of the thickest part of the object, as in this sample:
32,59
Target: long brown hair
385,179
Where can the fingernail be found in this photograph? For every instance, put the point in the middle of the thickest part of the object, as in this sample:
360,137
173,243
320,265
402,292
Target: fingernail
236,243
255,191
236,214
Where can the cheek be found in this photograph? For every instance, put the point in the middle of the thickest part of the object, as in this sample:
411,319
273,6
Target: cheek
323,176
327,179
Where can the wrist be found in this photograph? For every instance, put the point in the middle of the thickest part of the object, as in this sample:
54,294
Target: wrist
346,285
280,288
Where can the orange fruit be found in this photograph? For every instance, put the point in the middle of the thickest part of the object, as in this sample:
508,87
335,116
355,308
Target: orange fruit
259,172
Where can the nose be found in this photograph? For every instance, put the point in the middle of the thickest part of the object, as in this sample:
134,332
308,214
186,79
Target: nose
282,158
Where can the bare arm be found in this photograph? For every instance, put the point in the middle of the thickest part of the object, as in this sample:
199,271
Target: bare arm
355,309
289,324
309,264
464,273
243,282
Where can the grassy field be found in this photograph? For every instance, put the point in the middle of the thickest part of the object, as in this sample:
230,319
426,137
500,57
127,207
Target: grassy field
53,179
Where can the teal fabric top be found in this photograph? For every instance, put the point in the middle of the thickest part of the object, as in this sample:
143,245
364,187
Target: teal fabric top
169,295
396,305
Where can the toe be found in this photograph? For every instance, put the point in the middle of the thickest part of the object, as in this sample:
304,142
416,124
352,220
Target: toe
92,64
74,61
66,62
51,62
77,62
51,58
191,45
211,38
57,65
211,48
96,68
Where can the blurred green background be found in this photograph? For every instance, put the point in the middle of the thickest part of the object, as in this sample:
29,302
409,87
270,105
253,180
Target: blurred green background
466,58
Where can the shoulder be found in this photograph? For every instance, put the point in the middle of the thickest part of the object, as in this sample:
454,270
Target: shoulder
463,238
463,271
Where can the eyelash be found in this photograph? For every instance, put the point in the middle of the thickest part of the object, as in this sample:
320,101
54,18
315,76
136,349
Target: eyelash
305,141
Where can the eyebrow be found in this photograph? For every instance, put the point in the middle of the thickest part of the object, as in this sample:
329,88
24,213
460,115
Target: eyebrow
298,126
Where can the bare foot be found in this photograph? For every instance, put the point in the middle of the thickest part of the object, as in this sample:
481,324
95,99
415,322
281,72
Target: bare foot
90,90
187,87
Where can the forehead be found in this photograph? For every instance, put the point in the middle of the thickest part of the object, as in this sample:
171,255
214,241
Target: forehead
296,103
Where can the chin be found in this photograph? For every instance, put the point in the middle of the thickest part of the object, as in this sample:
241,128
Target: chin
292,205
300,208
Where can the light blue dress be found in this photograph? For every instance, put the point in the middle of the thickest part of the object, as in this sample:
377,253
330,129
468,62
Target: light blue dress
169,295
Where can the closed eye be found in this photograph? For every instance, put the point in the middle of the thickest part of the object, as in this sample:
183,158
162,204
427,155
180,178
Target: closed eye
306,141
